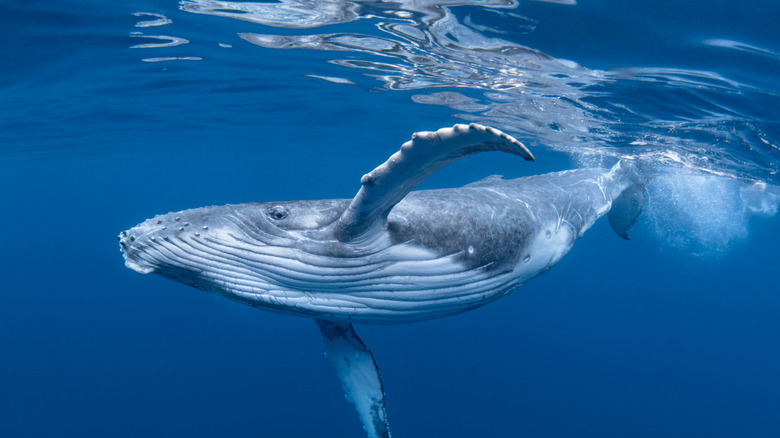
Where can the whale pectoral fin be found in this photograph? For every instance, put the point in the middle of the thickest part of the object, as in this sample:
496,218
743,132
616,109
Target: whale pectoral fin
359,375
418,158
626,209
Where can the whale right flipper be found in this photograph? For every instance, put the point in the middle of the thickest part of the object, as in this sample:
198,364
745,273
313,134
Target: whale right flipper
359,375
424,154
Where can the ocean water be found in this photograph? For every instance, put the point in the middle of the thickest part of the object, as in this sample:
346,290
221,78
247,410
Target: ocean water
113,112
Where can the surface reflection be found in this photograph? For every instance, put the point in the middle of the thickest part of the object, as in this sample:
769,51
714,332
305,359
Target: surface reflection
465,55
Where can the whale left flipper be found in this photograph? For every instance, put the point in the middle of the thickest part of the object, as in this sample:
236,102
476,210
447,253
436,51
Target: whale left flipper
359,375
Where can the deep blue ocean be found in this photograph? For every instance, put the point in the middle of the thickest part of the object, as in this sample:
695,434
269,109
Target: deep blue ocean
113,112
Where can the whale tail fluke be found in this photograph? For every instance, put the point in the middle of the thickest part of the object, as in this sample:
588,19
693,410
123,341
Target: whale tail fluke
626,209
629,205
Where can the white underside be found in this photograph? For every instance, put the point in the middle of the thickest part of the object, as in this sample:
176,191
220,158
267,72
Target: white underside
392,283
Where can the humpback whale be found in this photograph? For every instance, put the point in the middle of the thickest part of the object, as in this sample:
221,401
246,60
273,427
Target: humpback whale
390,254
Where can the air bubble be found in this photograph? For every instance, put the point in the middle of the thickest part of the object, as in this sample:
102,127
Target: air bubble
526,259
471,250
547,234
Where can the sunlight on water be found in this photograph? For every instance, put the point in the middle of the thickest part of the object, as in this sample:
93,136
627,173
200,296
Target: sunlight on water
158,41
293,14
159,19
556,103
464,55
736,45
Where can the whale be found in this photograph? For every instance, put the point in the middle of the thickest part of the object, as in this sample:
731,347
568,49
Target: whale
390,254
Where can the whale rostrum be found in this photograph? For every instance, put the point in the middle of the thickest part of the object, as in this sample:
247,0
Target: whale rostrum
390,254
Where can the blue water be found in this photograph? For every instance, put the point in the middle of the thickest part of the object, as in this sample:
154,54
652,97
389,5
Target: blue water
112,112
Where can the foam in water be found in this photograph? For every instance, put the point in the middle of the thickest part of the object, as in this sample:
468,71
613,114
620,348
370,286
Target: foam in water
704,214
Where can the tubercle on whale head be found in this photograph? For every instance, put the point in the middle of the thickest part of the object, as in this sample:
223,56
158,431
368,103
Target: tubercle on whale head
146,245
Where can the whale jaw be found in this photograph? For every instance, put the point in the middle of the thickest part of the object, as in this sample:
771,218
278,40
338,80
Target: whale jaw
130,252
137,267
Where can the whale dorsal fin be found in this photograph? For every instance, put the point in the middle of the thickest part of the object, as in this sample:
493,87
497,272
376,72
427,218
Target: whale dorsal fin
418,158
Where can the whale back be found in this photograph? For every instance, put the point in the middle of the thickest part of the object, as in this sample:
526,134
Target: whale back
494,222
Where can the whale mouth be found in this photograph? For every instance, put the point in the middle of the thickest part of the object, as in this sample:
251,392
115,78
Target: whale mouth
131,251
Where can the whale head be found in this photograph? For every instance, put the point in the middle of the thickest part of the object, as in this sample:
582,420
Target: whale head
217,241
284,257
280,256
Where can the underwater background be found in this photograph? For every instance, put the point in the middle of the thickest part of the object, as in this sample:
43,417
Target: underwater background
113,112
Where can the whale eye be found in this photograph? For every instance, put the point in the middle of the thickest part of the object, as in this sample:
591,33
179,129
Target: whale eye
277,212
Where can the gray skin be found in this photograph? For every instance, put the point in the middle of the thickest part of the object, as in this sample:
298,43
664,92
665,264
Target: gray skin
444,251
389,255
